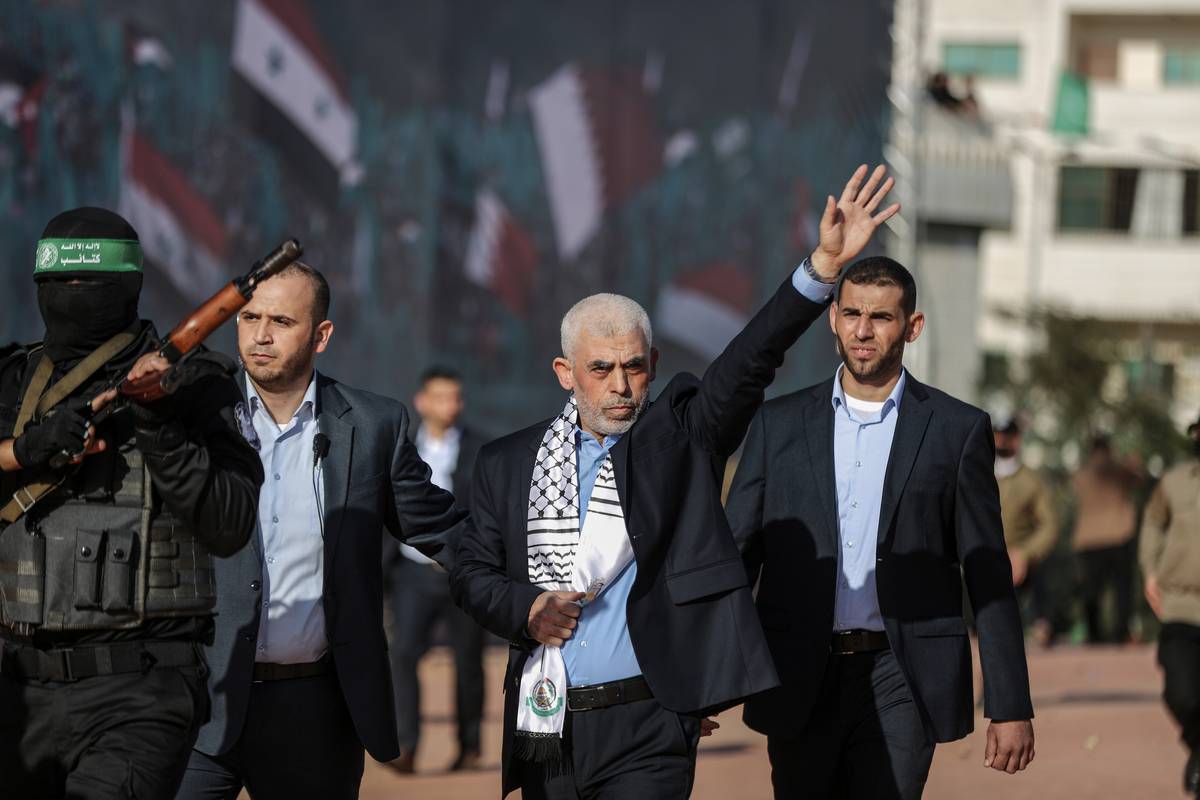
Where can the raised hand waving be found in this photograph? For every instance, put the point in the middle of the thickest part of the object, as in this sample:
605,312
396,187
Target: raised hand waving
849,222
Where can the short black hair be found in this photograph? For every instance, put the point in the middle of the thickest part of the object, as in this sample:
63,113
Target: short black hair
439,372
320,288
882,271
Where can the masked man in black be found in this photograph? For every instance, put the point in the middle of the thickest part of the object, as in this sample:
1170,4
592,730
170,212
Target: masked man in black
106,581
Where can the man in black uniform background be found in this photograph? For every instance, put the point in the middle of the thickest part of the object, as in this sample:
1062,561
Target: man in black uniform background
106,583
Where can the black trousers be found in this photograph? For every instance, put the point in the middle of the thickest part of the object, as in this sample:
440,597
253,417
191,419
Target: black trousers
298,743
420,596
635,750
104,738
1179,656
864,739
1099,569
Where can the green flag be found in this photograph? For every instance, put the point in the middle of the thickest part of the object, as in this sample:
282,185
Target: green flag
1071,107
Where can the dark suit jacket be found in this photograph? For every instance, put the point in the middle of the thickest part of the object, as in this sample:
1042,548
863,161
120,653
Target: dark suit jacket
690,613
940,511
374,481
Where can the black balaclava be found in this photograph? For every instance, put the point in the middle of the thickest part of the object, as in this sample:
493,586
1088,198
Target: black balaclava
89,277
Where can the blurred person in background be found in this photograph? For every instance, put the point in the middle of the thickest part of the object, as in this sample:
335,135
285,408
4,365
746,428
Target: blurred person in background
1105,524
1030,522
417,586
1170,559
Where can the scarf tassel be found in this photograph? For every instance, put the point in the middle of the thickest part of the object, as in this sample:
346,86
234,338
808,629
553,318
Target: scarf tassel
541,748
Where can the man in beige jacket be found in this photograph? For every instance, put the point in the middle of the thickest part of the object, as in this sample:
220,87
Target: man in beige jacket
1030,522
1105,524
1170,559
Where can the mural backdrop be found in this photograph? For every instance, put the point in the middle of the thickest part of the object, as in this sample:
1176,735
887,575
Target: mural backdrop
462,171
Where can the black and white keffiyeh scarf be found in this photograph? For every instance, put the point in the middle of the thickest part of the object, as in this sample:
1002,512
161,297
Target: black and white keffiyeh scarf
564,558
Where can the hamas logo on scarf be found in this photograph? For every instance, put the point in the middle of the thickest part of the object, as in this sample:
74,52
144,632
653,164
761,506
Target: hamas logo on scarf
544,699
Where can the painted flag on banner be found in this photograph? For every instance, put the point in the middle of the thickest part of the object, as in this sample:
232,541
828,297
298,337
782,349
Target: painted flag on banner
501,255
21,90
599,144
182,237
294,93
703,309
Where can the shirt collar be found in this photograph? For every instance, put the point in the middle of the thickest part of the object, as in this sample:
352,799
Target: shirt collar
583,437
892,401
306,409
451,438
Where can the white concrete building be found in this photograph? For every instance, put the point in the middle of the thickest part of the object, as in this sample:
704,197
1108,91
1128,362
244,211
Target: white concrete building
1105,204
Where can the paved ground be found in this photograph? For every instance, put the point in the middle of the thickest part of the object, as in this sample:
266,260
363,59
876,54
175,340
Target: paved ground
1102,734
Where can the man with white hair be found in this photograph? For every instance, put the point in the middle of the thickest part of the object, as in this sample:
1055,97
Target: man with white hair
601,551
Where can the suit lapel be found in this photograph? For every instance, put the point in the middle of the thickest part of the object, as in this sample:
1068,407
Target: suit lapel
256,537
906,443
335,469
818,430
621,469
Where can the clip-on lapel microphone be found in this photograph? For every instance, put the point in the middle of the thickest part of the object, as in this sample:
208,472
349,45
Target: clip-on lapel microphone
321,445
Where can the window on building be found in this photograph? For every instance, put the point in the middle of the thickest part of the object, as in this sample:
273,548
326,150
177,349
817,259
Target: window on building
1191,202
983,60
1181,65
1150,377
1096,198
1097,61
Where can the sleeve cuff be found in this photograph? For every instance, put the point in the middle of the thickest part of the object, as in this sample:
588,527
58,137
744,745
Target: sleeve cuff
811,289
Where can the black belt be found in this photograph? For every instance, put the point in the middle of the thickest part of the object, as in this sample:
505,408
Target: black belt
69,664
614,693
846,643
283,672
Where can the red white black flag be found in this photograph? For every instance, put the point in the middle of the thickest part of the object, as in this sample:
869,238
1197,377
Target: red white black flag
297,94
182,237
501,256
703,309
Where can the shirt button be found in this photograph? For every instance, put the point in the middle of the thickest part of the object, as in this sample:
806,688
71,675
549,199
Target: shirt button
276,476
849,544
266,603
274,519
262,648
255,585
854,504
583,643
270,559
858,463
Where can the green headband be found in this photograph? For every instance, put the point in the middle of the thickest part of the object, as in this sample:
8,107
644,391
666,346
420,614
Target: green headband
91,255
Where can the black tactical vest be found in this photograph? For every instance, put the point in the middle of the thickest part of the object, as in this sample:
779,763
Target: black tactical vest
101,552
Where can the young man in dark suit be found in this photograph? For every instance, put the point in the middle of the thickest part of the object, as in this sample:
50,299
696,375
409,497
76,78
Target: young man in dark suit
601,554
417,587
299,676
857,505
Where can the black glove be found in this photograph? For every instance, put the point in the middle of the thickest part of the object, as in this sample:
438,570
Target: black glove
63,429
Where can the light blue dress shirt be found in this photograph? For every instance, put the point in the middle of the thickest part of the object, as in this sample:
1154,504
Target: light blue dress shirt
862,444
601,650
291,628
